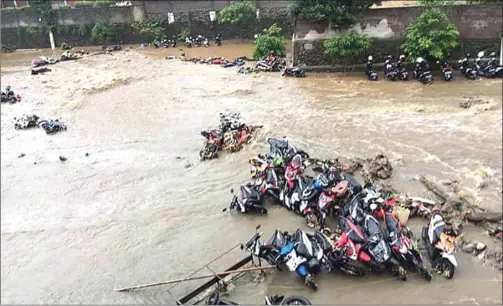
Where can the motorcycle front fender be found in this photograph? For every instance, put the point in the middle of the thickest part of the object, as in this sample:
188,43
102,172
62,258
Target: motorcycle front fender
450,258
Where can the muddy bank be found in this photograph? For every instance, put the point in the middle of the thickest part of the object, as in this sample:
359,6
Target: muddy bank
130,212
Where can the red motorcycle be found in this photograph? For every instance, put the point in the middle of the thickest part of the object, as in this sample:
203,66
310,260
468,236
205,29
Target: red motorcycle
328,204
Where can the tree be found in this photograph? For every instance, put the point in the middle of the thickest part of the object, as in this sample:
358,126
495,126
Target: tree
348,46
237,13
104,31
151,27
271,40
432,35
339,13
47,14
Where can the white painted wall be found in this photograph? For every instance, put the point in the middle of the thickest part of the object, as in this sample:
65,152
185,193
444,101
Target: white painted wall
381,30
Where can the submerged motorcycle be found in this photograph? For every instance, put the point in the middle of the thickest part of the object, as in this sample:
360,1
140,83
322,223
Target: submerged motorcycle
52,126
215,299
285,148
294,72
445,69
369,69
467,67
248,200
422,71
441,243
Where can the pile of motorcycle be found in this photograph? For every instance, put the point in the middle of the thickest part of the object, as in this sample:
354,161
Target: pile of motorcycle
9,96
360,243
29,121
230,136
274,64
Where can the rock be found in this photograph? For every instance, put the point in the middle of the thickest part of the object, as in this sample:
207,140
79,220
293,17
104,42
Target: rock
21,155
468,248
480,247
188,164
62,158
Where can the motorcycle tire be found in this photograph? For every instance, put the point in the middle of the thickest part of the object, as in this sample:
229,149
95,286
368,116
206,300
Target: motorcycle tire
447,269
303,154
310,282
353,269
296,300
263,211
424,273
312,220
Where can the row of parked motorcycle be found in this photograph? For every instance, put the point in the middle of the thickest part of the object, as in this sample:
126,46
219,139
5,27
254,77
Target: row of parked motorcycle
468,67
273,63
360,243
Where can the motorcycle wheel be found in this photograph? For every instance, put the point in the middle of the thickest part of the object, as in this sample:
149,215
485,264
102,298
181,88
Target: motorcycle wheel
310,282
447,268
424,273
303,154
296,300
353,269
312,220
263,211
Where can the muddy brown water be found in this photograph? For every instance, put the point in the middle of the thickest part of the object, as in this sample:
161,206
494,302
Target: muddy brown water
131,212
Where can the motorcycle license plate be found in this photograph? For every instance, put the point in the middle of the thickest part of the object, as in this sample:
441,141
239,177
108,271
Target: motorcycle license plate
293,261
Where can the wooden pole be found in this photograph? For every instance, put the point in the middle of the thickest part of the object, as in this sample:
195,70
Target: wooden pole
195,278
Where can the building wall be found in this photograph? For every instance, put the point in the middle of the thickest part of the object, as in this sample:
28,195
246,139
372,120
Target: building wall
480,27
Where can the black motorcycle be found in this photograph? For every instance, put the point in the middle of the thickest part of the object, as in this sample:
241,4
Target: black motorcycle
403,74
285,148
369,70
422,71
467,67
491,69
26,122
52,126
249,200
492,65
218,40
390,69
294,72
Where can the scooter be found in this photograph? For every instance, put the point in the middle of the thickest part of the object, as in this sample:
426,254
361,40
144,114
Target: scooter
445,69
369,69
390,70
285,148
493,65
421,72
294,72
467,67
441,243
250,200
52,126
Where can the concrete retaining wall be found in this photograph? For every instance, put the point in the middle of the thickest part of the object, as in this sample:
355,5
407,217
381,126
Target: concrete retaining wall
480,27
21,28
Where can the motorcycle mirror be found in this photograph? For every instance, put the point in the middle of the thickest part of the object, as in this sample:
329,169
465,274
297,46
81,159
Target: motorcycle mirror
258,227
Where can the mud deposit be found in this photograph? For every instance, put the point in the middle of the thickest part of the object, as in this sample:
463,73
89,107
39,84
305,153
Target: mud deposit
130,212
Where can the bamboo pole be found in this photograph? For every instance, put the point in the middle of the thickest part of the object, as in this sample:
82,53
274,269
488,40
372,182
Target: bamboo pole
195,278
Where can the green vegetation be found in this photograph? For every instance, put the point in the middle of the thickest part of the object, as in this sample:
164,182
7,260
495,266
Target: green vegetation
432,35
348,46
84,30
434,2
184,33
104,31
83,4
12,8
47,14
64,7
339,13
237,13
151,27
271,40
65,46
100,3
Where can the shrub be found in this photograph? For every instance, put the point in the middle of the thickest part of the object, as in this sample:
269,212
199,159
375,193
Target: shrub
237,13
65,46
101,3
273,30
432,35
184,33
84,30
64,7
83,4
151,27
266,44
349,45
32,31
103,31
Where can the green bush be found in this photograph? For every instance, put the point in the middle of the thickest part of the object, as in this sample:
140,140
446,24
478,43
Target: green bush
103,31
432,35
101,3
348,46
83,4
32,31
64,7
339,13
8,8
65,46
151,27
266,44
273,30
237,13
184,33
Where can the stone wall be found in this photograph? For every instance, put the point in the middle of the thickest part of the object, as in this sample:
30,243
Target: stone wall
480,28
21,28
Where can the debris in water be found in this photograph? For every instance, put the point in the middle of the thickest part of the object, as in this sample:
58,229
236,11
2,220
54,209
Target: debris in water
62,158
87,154
26,122
36,71
468,248
21,155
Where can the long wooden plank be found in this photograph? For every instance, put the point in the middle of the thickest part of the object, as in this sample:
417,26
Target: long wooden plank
212,282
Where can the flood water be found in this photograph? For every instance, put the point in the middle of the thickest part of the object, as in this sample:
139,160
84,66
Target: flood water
131,212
